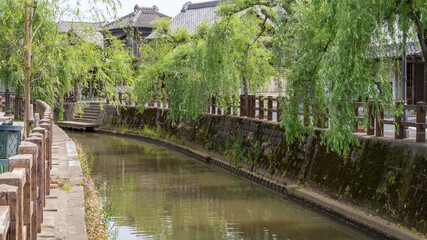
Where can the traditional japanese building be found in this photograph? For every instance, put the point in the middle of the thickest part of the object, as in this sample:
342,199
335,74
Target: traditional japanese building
134,27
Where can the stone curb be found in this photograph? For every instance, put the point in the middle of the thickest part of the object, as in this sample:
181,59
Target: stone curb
372,224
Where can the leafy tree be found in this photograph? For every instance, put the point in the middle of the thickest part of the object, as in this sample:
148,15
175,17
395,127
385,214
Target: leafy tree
53,62
334,53
217,59
331,54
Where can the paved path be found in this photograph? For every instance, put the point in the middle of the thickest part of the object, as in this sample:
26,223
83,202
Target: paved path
64,216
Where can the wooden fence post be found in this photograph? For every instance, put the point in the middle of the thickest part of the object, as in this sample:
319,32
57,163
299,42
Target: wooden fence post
356,112
120,98
270,108
252,104
322,120
261,107
421,120
213,105
279,110
370,127
379,125
241,105
398,134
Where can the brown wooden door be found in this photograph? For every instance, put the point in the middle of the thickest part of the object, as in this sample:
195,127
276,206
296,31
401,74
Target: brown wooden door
419,83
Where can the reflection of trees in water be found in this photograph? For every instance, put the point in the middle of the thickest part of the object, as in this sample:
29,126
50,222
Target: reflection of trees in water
171,196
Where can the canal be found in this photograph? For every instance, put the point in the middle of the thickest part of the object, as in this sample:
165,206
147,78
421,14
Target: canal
157,193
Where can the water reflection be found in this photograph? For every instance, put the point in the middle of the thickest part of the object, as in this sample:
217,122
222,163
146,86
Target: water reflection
162,194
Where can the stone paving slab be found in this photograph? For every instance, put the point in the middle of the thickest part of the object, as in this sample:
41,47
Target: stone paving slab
64,215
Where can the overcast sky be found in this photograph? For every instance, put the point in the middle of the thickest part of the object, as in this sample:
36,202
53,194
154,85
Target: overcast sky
168,7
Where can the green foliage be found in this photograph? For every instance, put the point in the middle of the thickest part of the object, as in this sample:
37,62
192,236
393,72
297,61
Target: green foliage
326,55
60,61
215,60
208,145
156,132
3,168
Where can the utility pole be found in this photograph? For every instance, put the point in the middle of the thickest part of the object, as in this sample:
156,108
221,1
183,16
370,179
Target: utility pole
27,69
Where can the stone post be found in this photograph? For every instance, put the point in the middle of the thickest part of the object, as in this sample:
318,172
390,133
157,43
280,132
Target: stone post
5,221
16,179
8,197
31,148
50,137
43,177
40,176
44,130
25,162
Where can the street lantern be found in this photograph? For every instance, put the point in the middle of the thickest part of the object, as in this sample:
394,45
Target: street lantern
10,139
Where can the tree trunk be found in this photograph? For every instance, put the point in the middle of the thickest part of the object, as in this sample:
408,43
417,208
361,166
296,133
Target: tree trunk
245,86
27,69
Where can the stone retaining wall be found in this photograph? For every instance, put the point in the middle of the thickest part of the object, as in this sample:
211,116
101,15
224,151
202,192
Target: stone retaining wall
382,176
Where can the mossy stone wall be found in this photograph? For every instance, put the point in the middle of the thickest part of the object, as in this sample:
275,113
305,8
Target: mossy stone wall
386,177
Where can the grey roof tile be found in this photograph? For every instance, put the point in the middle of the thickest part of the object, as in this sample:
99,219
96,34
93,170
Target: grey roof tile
89,31
142,17
193,14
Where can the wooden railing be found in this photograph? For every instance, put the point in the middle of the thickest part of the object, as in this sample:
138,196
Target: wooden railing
24,187
268,108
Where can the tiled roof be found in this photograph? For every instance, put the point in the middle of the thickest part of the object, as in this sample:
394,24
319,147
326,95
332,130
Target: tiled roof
141,17
392,50
193,14
65,26
82,29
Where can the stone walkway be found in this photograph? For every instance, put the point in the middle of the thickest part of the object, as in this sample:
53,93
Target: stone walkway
64,215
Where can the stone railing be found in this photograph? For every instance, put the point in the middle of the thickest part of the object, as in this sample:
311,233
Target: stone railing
24,188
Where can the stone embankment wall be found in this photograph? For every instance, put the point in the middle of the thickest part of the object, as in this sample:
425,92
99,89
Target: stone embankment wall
382,176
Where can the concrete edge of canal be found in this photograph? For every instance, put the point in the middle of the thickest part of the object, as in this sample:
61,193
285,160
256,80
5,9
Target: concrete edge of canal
64,214
347,213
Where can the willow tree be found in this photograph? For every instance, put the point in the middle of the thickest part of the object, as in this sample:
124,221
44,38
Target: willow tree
47,61
219,59
332,53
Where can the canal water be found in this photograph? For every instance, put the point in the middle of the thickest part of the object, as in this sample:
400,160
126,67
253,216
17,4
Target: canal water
157,193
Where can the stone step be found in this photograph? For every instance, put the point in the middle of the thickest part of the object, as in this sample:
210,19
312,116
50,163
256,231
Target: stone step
86,120
90,115
51,206
46,233
48,222
92,110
